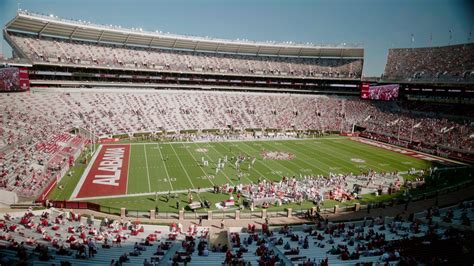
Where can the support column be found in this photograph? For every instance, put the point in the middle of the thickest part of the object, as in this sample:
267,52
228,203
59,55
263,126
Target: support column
356,207
90,220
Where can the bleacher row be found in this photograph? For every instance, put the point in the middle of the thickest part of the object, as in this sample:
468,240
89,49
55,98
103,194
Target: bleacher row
452,63
52,237
28,165
34,127
458,216
364,242
53,50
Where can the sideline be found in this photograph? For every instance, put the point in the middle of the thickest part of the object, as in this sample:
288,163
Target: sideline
227,140
85,173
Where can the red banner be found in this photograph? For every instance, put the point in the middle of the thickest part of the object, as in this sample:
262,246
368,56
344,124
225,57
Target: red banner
24,79
364,91
48,188
108,140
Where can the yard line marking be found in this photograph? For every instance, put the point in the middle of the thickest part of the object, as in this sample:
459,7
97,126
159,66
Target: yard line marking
166,169
202,169
355,151
253,168
309,158
295,173
185,171
291,172
328,154
222,169
129,166
147,171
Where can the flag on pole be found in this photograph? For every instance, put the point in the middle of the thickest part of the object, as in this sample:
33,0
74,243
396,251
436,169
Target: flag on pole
412,38
446,130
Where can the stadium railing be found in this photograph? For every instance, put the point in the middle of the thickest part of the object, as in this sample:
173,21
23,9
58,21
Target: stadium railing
298,212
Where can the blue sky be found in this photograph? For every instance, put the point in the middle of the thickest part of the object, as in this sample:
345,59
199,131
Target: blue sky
377,24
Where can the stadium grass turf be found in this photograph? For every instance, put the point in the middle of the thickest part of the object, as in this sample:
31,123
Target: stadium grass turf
163,167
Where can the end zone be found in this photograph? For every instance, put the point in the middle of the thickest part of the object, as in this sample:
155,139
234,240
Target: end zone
106,174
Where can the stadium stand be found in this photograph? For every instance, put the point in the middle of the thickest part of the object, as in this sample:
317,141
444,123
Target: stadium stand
35,146
54,236
39,142
398,121
206,110
454,216
30,158
379,240
61,51
454,63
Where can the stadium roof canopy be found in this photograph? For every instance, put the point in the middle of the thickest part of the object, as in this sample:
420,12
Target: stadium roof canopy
54,26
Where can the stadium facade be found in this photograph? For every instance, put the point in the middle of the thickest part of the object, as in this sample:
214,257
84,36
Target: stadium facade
287,128
93,55
54,52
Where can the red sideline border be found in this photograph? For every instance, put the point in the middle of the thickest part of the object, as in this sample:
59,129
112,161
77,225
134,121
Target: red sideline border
408,152
111,163
47,189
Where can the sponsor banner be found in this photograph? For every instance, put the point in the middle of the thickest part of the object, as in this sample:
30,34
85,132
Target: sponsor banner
364,91
108,174
109,140
349,134
24,79
407,152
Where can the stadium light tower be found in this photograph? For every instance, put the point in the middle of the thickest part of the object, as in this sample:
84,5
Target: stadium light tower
92,135
93,132
399,125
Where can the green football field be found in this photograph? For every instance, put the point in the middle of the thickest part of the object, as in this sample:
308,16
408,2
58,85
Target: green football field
162,167
172,166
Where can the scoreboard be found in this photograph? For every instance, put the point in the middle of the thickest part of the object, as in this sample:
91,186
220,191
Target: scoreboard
379,92
14,79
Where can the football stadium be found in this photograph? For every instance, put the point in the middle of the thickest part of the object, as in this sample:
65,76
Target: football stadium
120,145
